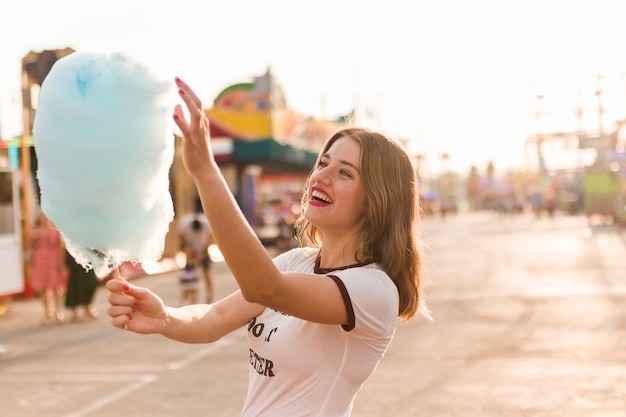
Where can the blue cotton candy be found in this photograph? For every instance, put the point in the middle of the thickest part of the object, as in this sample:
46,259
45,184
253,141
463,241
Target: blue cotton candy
104,139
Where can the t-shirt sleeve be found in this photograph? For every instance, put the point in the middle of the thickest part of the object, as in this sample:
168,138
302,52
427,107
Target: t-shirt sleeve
371,300
282,261
296,260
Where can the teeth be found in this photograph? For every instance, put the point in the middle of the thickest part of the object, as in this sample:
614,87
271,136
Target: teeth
321,196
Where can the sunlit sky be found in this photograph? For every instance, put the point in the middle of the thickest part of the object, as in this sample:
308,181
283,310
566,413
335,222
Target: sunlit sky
452,76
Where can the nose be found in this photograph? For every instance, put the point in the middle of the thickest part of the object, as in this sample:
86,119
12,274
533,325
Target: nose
321,176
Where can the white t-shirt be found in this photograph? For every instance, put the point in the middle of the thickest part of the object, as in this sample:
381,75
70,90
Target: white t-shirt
300,368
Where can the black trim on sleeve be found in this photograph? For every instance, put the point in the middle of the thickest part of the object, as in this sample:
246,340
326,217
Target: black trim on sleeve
317,269
346,300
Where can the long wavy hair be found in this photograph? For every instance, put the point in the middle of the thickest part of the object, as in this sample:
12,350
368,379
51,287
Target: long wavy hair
389,236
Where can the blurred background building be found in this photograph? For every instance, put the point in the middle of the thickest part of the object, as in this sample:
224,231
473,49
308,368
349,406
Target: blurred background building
265,150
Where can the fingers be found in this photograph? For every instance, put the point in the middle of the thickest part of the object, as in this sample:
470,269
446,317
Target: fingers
135,308
193,103
122,322
115,285
122,299
181,122
122,302
121,286
188,94
121,310
197,122
194,128
121,316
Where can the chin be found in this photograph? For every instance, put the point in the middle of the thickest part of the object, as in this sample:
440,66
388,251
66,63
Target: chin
311,218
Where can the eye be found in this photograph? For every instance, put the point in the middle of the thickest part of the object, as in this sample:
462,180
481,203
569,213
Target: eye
322,164
346,173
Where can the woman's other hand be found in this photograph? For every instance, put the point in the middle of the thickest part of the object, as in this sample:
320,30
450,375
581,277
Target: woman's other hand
135,308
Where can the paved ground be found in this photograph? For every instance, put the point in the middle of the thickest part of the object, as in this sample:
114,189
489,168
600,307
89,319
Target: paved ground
529,321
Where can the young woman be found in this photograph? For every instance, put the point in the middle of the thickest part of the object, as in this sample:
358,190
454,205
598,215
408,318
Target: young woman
48,274
321,316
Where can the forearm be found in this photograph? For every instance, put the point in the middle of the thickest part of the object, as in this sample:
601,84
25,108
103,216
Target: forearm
244,254
191,324
246,258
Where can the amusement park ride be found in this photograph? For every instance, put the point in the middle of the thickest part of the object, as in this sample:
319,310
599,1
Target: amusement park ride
594,175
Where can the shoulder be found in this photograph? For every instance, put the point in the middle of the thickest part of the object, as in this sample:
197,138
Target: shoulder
372,295
367,278
297,259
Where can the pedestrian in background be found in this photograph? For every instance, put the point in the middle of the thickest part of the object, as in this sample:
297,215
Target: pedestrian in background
81,288
48,273
188,281
196,238
321,316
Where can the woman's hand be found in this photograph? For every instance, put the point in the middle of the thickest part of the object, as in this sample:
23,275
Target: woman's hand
135,308
197,153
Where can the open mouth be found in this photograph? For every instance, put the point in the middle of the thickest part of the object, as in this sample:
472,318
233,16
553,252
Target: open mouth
320,197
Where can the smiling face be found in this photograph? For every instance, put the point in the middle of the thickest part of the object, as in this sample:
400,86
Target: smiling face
336,194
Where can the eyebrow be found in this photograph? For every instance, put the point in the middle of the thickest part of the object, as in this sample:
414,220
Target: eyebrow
344,162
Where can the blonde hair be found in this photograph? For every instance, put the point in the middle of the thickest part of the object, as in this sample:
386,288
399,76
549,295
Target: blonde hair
389,236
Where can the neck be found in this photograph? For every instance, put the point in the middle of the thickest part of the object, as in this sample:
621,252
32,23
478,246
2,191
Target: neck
335,256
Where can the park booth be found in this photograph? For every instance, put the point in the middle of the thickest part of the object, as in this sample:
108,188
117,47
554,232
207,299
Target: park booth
11,259
265,151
